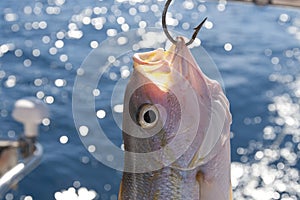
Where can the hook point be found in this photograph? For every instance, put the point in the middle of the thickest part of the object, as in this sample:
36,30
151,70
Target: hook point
164,25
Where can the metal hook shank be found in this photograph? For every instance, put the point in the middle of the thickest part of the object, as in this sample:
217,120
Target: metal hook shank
164,25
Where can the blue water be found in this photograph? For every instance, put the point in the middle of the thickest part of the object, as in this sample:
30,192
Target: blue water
260,73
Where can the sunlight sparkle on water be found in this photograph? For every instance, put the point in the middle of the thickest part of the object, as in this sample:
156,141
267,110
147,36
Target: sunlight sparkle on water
111,59
111,32
94,44
46,122
38,82
46,39
15,27
83,130
118,108
60,82
27,63
107,187
60,35
76,184
43,25
2,74
40,94
63,139
171,21
142,24
27,10
11,134
11,81
80,71
52,51
28,198
275,60
202,8
86,20
92,148
187,4
284,17
132,11
122,40
143,8
185,26
122,147
72,193
269,133
10,17
63,58
125,27
59,44
18,52
96,92
120,20
101,114
75,34
221,7
4,48
125,73
53,10
228,47
36,52
208,24
49,99
274,174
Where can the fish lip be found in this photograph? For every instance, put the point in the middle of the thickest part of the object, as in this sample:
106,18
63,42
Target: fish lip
140,58
161,57
156,61
155,66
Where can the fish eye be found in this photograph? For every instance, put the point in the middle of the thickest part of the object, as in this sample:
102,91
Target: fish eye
148,116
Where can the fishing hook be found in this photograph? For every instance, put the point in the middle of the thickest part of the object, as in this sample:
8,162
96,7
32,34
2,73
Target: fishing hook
164,24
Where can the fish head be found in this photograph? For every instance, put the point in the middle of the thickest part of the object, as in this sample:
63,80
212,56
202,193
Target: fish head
167,106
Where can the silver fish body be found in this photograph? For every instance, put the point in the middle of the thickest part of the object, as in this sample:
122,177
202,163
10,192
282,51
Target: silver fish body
171,108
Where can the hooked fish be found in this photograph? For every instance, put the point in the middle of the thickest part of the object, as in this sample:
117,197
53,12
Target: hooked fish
180,120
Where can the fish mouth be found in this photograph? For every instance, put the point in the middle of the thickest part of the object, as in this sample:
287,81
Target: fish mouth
156,66
165,68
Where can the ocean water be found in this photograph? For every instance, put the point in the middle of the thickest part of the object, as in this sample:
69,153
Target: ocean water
256,50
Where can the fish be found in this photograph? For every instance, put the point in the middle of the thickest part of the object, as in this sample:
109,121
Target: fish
176,130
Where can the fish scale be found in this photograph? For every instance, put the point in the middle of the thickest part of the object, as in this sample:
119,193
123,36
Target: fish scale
163,184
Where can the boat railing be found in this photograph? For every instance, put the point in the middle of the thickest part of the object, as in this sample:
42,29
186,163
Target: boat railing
18,172
19,157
